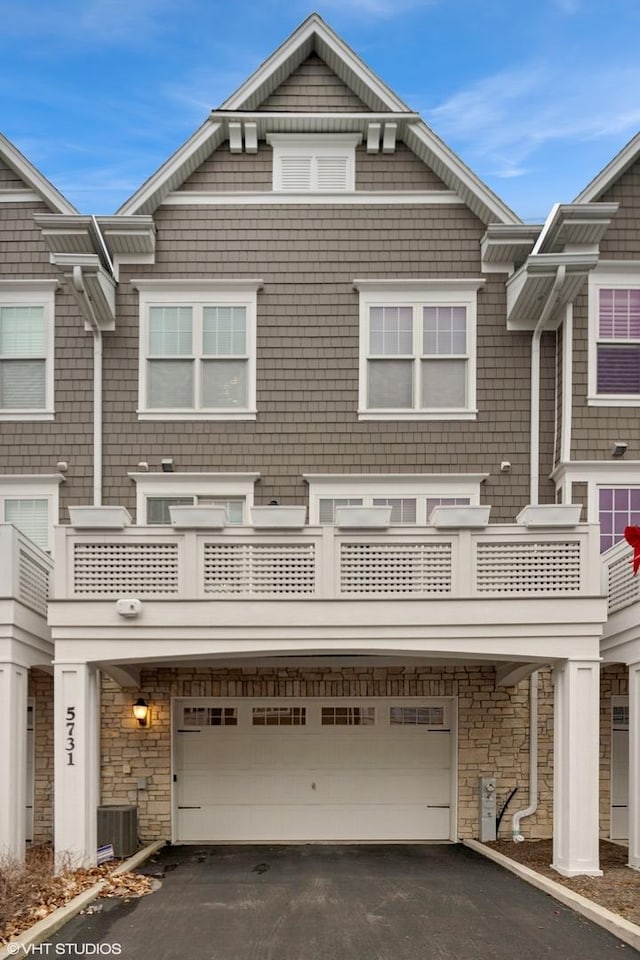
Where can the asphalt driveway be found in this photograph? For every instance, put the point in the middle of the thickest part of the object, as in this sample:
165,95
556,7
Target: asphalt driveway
370,902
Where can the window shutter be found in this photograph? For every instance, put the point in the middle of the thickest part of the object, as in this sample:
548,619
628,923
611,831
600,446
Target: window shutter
295,174
331,174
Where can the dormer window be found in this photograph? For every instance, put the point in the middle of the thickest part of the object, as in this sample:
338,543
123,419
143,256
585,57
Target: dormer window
309,163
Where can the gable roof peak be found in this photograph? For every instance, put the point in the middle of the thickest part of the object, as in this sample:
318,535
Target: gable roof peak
314,35
35,180
612,172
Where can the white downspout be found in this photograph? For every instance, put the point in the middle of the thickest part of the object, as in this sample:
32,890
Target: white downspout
533,761
535,383
97,389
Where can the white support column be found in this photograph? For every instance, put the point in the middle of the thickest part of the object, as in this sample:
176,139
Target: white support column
13,758
76,764
576,751
634,766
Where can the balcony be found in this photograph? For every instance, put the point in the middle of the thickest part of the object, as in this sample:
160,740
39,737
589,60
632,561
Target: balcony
25,571
324,563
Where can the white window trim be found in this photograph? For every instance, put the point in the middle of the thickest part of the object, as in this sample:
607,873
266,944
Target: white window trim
303,144
455,293
609,274
34,293
42,486
177,485
368,486
596,474
164,293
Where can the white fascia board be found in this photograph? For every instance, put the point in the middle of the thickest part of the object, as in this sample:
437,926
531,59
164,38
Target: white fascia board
326,484
28,286
460,175
29,479
180,479
154,185
228,198
197,285
18,196
600,471
417,285
608,176
33,178
295,49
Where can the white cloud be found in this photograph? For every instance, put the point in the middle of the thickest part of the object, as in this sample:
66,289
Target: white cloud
502,120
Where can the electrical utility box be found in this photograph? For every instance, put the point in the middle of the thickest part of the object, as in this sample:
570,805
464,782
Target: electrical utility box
487,811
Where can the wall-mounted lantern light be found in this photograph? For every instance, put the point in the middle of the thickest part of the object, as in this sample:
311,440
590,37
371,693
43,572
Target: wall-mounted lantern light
142,712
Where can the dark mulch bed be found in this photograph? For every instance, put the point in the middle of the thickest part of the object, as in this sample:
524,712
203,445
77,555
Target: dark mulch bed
618,889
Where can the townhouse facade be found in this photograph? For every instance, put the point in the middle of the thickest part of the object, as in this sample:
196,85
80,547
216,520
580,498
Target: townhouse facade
317,455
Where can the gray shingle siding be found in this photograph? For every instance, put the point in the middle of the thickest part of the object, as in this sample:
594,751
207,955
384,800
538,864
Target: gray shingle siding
314,88
595,428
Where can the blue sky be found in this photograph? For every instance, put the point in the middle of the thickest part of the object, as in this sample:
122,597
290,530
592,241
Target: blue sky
536,96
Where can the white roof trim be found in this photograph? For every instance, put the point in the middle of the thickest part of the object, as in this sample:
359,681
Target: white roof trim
182,198
313,27
459,177
608,176
33,178
143,200
314,33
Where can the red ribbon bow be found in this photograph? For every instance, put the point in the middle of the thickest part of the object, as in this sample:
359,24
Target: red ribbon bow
632,536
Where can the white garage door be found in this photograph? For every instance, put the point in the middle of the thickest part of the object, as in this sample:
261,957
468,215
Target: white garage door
285,769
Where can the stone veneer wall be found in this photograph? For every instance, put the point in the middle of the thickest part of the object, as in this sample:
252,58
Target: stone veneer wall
41,690
492,730
614,682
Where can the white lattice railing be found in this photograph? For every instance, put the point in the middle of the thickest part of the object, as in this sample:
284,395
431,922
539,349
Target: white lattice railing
326,563
619,582
25,571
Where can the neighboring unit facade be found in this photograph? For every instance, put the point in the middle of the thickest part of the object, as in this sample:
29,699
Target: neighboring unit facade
325,370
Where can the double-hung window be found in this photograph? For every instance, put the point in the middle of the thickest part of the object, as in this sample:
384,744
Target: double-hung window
26,349
197,350
614,351
417,349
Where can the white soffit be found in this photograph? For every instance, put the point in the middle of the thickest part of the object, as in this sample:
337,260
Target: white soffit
133,236
33,178
608,176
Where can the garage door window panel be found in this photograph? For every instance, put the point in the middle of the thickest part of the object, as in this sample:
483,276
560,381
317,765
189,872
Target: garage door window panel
279,716
210,717
338,716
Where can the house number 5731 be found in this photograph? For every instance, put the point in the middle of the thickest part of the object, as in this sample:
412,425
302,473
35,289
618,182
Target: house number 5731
70,743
